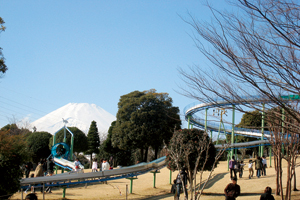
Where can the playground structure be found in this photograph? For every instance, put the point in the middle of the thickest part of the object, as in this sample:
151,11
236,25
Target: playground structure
62,154
221,105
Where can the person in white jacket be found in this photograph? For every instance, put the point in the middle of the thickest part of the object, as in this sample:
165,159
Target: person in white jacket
105,165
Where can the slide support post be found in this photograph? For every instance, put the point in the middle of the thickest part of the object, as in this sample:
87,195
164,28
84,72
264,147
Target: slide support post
72,146
131,183
282,131
262,129
154,177
205,125
232,130
219,132
64,191
170,176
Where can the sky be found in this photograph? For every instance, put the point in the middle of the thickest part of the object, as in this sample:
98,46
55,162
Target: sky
60,52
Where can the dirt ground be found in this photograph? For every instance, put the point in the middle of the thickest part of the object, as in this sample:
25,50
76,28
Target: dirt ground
143,186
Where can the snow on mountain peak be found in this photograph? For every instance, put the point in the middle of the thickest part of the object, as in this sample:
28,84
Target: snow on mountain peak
79,115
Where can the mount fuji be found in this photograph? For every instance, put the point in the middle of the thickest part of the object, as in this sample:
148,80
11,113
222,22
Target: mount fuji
79,115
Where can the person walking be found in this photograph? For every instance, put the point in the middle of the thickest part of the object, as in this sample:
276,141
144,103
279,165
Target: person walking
181,182
232,166
250,166
232,190
258,166
267,195
264,166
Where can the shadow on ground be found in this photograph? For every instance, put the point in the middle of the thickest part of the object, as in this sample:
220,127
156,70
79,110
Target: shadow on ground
158,196
211,181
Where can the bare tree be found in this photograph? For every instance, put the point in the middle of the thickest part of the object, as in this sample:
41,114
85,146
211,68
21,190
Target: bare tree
180,150
285,144
255,55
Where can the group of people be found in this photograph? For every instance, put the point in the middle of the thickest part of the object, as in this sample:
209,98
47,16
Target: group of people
180,184
45,167
232,190
104,165
260,167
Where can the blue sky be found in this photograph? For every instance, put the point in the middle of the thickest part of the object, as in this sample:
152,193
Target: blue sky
59,52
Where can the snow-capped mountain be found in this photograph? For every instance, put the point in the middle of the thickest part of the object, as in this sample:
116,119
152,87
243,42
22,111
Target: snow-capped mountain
79,115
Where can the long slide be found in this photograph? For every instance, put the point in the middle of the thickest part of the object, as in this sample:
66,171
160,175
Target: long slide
66,164
191,110
72,178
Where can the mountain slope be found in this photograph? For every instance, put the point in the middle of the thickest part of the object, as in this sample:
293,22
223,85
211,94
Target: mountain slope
79,115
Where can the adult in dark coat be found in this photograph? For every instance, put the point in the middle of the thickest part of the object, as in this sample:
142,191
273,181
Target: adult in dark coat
232,166
181,182
267,195
50,166
258,166
232,190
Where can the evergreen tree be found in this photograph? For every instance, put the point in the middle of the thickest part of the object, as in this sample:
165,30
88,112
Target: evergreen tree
145,119
93,140
121,157
38,146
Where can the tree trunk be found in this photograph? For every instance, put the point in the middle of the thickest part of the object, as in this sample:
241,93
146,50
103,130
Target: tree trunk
295,182
146,154
280,174
142,155
277,191
288,181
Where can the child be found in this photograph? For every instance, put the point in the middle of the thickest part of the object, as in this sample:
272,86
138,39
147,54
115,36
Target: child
241,169
95,166
250,166
173,188
77,163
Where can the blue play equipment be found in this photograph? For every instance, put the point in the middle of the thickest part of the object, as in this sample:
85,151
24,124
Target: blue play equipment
60,150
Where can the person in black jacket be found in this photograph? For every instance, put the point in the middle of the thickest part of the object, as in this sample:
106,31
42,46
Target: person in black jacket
50,166
267,195
28,167
232,190
45,167
181,181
